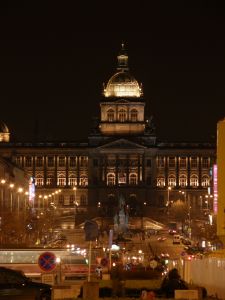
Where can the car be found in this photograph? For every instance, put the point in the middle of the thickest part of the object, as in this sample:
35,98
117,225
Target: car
15,283
176,239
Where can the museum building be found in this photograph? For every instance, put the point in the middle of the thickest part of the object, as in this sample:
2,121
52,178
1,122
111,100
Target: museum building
122,156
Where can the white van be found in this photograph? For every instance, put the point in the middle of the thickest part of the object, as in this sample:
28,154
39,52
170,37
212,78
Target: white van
176,239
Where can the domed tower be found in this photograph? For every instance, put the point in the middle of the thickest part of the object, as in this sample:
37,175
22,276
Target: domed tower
122,109
4,132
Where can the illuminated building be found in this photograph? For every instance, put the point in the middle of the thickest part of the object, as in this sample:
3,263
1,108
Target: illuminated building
121,156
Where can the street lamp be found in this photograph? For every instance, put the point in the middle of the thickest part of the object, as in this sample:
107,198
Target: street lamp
168,195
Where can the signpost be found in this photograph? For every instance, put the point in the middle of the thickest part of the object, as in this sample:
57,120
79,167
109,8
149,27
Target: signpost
47,261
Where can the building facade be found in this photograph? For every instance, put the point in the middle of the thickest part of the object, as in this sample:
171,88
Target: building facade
121,156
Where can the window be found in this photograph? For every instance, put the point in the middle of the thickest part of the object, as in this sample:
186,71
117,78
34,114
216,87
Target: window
111,179
122,178
171,180
50,180
194,162
83,161
194,180
28,161
205,181
83,181
183,180
39,161
83,200
183,162
50,161
61,161
133,179
72,199
205,162
61,180
122,115
160,162
110,115
72,161
172,162
133,115
61,199
39,180
160,181
72,180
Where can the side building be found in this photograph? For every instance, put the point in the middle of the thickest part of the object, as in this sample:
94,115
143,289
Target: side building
122,156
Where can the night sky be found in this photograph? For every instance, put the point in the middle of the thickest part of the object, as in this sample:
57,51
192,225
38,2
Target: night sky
54,58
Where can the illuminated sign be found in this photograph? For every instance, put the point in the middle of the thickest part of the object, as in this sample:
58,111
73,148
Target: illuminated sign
215,189
31,189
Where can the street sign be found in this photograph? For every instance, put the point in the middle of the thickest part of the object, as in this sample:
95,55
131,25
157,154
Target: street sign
47,261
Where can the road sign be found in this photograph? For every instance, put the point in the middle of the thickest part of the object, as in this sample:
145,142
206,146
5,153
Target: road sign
47,261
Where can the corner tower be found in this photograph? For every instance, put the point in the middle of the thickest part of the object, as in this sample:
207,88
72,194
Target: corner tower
122,107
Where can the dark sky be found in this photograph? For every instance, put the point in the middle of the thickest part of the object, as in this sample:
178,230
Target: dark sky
54,58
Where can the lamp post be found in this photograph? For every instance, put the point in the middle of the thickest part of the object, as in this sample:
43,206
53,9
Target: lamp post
168,195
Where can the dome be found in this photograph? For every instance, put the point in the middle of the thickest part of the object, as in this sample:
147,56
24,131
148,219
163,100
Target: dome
3,127
122,84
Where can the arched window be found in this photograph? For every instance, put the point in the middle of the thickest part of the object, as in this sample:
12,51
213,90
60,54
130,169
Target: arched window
172,180
194,180
133,115
50,179
39,180
110,115
61,180
133,178
83,180
122,115
183,180
205,180
111,179
160,181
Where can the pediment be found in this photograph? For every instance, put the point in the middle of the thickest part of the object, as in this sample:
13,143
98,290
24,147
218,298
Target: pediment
121,144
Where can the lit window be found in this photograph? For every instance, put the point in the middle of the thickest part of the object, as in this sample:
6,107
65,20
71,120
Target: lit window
122,115
61,199
83,181
183,180
72,180
205,181
111,179
50,180
110,115
160,181
133,179
61,180
122,178
172,180
39,180
133,115
194,180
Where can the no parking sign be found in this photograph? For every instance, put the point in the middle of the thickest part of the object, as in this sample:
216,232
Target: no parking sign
47,261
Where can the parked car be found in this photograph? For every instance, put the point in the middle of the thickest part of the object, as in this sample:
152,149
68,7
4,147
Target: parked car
15,283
